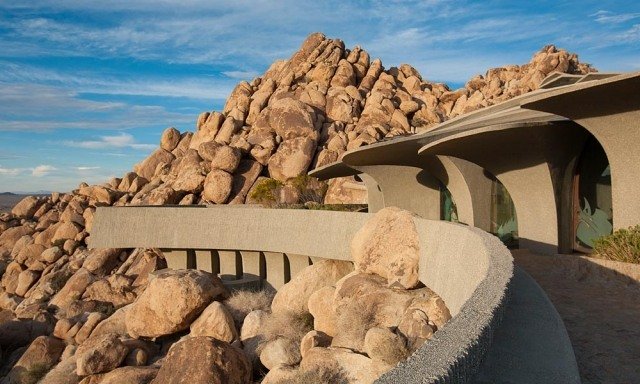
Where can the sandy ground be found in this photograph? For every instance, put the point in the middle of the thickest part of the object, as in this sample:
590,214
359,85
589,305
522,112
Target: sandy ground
601,311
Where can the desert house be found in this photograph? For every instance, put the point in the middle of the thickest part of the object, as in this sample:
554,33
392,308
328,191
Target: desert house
556,167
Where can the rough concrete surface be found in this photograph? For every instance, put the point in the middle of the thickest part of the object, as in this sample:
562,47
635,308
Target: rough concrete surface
600,309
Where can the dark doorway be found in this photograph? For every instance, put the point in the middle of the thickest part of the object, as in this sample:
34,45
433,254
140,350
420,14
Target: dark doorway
592,202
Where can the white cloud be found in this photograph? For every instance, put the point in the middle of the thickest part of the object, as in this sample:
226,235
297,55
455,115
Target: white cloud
9,171
43,170
123,140
608,17
86,168
242,75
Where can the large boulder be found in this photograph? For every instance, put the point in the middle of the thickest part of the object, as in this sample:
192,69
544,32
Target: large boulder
130,375
291,118
10,236
171,301
116,323
204,360
292,159
169,139
217,186
102,261
26,207
73,289
364,301
147,168
388,245
100,354
246,174
215,321
188,173
294,295
43,353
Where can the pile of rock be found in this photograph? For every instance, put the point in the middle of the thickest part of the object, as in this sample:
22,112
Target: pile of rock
304,113
112,316
367,315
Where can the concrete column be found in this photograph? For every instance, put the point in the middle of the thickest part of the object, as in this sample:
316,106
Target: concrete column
230,264
252,263
278,272
204,260
297,263
176,258
406,187
479,187
529,162
375,199
446,170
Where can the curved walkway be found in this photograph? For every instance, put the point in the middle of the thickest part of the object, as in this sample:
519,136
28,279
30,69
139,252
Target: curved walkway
600,309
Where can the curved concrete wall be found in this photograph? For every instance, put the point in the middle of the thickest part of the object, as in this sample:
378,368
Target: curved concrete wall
470,269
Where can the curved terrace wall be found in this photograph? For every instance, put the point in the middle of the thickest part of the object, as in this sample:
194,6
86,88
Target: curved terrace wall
467,267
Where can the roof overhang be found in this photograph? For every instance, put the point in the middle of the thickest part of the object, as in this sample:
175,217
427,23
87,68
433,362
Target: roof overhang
528,110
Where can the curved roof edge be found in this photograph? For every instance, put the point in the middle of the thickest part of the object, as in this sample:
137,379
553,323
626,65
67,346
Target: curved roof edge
520,110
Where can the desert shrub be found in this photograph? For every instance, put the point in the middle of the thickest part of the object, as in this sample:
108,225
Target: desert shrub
287,324
265,191
309,188
243,301
621,245
336,207
354,319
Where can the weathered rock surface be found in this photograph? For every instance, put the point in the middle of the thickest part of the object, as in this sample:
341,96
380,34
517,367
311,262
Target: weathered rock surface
294,295
215,321
100,354
388,245
210,361
172,300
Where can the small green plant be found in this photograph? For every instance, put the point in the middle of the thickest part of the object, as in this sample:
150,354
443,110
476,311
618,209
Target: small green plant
309,188
265,191
621,245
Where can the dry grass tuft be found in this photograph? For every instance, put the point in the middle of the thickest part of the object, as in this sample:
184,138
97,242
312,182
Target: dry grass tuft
354,319
288,325
242,302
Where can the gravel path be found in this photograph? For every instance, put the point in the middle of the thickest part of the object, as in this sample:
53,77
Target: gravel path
601,311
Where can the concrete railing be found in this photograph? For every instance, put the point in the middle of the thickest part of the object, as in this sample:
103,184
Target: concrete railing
470,269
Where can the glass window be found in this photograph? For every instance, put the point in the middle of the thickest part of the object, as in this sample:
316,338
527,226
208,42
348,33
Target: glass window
594,212
448,210
504,223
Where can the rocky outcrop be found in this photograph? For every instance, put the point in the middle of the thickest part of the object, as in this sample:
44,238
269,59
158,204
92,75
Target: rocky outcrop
304,113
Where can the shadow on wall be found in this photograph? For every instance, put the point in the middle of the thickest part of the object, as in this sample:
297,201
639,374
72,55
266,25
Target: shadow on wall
597,300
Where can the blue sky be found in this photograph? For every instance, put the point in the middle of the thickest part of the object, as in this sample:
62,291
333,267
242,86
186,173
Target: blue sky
86,87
